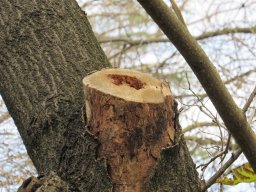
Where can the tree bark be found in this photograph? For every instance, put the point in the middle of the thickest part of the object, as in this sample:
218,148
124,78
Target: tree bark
47,47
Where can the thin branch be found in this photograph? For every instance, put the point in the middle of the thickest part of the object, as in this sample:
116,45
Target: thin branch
132,42
205,35
232,79
4,117
198,124
126,48
222,155
208,141
177,12
226,31
249,101
231,160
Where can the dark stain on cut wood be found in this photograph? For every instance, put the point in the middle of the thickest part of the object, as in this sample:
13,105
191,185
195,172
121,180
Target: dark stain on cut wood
128,80
134,141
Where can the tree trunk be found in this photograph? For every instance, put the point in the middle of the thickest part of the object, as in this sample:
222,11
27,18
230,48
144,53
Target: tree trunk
47,47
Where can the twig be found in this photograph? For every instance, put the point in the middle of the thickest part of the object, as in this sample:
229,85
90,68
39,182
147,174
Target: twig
231,160
199,124
249,101
177,12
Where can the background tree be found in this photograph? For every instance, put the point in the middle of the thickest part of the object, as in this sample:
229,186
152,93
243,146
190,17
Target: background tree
131,40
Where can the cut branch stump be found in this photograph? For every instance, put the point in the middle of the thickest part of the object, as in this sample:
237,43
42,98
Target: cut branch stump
131,114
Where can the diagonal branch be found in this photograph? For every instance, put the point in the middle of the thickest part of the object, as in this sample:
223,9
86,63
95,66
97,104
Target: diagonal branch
207,74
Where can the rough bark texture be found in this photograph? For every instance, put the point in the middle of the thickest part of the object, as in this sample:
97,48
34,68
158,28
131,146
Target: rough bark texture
47,183
46,48
175,171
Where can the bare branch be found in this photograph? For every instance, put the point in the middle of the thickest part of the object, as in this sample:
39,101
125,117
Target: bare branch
4,117
250,99
177,12
209,141
207,74
198,124
203,95
205,35
231,160
226,31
